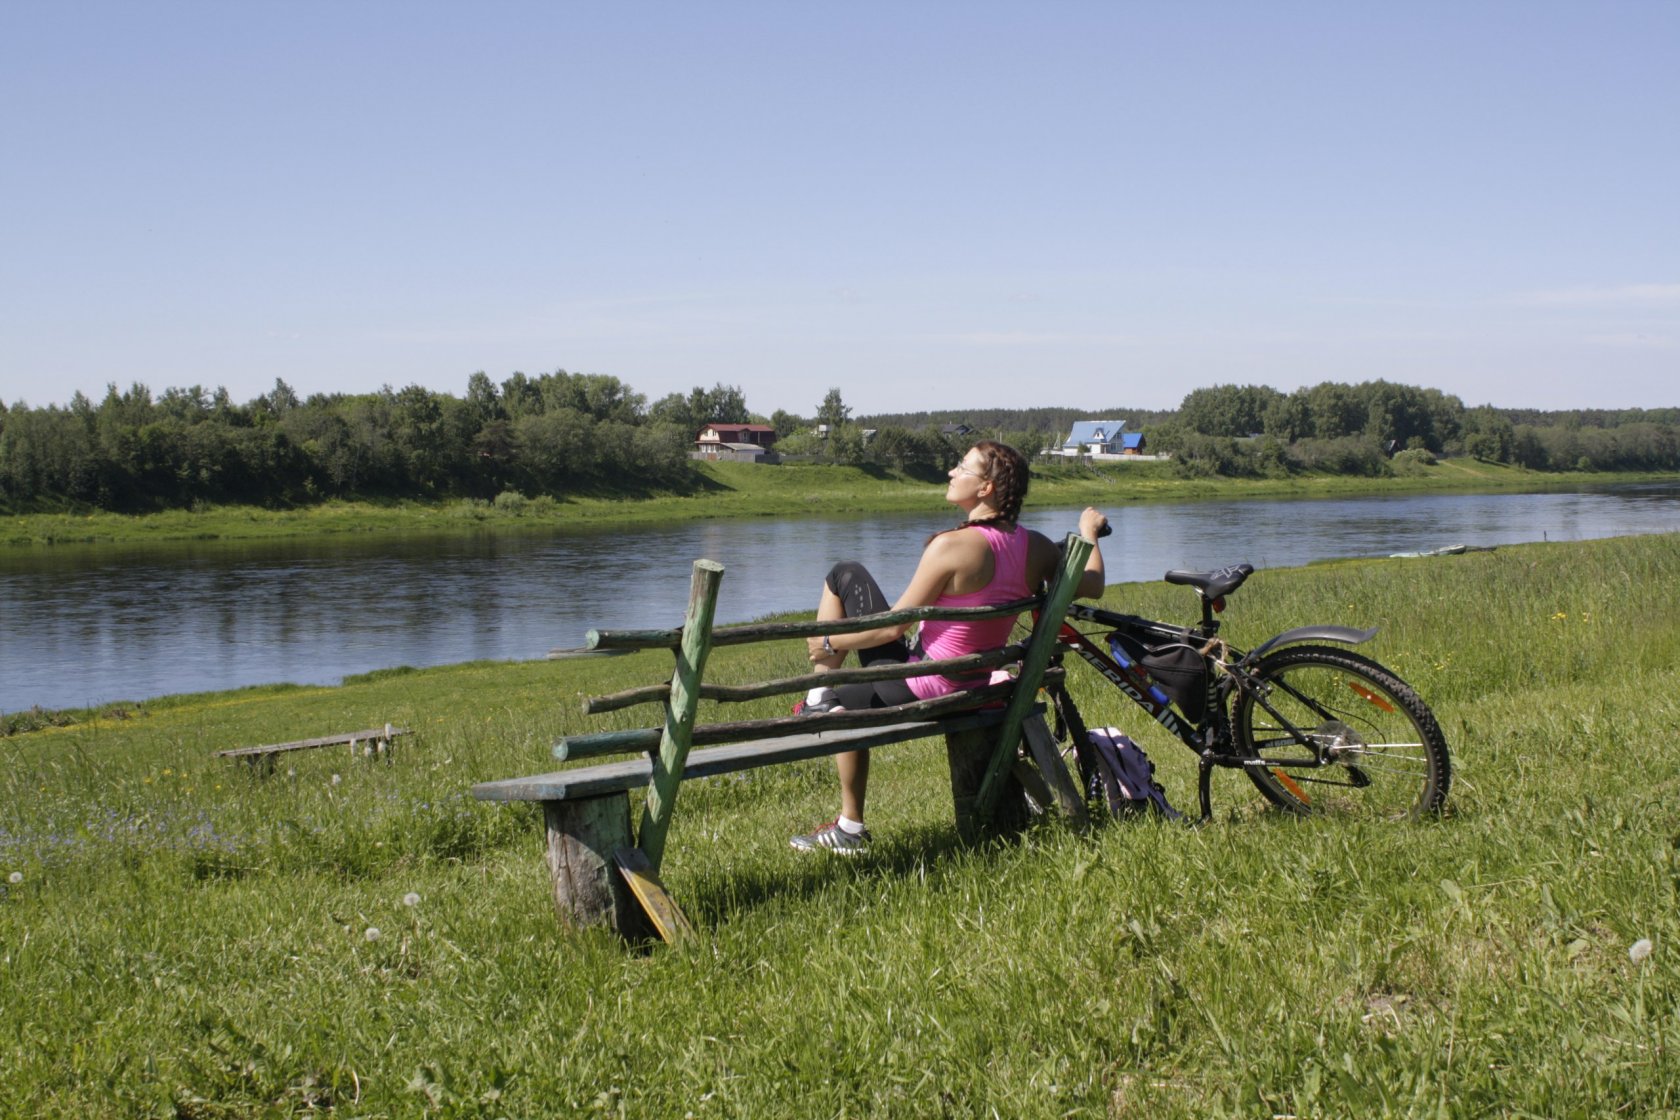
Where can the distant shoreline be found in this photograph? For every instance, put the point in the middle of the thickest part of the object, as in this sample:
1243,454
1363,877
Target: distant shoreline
739,490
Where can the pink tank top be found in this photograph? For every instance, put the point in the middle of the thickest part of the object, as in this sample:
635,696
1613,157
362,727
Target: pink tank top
954,639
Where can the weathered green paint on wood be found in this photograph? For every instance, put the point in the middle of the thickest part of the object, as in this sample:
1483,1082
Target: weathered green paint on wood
759,631
709,762
1039,651
679,712
596,744
889,671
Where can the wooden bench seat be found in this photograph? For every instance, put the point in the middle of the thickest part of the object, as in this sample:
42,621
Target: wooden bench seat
709,762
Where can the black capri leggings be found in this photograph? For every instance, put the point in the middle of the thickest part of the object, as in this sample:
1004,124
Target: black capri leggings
859,594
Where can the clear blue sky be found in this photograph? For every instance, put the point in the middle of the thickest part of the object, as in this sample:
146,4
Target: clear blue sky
925,204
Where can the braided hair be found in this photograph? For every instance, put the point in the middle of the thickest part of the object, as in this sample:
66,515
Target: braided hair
1006,470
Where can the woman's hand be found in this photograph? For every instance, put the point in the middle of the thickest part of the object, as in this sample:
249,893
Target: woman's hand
814,648
1091,523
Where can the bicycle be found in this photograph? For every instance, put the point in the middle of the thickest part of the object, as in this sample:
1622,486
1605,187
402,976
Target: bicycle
1292,714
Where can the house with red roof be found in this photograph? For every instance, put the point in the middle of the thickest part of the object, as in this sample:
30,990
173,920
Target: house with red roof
748,442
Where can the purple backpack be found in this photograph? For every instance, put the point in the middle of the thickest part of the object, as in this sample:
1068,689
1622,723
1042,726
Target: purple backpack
1126,775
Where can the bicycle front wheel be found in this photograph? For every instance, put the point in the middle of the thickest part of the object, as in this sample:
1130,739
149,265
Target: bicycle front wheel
1360,740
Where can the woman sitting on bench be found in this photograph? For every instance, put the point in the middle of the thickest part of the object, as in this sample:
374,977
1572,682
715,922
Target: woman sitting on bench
986,560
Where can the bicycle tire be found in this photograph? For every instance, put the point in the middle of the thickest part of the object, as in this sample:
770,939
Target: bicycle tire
1390,757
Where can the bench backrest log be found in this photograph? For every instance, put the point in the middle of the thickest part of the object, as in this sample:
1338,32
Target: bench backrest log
669,745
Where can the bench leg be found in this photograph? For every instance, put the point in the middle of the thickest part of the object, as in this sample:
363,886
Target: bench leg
969,753
1044,750
588,889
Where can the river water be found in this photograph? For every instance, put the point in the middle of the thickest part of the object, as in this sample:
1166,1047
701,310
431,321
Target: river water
86,625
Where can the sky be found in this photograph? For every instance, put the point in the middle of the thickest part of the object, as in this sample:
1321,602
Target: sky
927,205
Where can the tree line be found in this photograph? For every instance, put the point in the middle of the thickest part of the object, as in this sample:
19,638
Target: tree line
1365,429
554,433
563,433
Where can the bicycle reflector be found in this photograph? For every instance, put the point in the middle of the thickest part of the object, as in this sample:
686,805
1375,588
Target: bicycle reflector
1219,604
1367,694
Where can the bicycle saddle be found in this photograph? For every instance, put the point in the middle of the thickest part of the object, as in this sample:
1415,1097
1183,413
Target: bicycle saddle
1215,584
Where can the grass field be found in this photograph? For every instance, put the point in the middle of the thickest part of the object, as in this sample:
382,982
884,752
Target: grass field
180,938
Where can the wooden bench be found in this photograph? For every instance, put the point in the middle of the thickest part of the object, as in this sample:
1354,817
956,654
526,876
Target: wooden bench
603,872
374,741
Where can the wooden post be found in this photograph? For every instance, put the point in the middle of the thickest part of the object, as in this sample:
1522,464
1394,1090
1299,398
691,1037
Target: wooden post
582,836
1037,659
674,741
968,752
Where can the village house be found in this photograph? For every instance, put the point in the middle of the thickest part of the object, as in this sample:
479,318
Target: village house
1101,439
1094,437
744,442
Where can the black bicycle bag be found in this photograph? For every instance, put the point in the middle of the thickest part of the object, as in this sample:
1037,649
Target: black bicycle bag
1175,666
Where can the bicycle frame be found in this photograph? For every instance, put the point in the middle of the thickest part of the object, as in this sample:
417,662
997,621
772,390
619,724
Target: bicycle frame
1206,734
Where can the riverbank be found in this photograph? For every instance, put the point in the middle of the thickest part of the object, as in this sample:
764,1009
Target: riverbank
739,490
357,937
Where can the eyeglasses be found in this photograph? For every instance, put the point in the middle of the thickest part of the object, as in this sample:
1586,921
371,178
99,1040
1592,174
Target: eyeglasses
966,469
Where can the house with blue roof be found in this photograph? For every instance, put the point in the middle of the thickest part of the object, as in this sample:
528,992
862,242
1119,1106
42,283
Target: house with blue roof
1095,437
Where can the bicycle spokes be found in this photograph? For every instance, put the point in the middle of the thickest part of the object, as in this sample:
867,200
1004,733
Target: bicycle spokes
1333,720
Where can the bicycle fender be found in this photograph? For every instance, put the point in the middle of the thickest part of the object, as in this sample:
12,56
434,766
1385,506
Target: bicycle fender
1347,635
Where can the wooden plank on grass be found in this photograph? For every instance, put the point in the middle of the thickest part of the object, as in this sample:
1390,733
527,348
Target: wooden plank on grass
385,733
662,910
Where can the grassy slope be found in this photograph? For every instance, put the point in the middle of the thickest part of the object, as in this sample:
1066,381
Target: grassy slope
189,941
743,490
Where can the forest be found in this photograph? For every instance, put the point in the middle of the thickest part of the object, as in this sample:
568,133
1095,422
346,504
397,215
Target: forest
567,434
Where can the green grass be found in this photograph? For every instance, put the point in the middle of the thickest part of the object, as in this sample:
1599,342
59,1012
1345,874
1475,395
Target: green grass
740,490
190,940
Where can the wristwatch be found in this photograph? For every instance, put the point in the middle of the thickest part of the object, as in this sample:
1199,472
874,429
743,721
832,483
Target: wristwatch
828,646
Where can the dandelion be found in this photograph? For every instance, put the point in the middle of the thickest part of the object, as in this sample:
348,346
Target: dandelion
372,933
15,878
1561,616
412,898
1639,950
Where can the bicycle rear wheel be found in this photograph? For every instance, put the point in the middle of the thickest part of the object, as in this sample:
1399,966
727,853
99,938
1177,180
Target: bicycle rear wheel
1386,754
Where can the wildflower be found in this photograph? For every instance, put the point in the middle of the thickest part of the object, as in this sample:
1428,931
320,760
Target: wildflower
372,933
1639,950
412,898
16,877
336,779
1561,616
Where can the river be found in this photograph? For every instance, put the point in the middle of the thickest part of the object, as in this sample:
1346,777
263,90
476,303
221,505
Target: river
91,624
